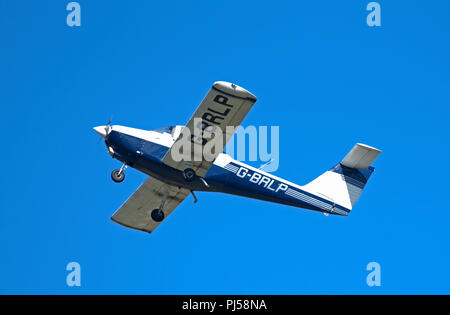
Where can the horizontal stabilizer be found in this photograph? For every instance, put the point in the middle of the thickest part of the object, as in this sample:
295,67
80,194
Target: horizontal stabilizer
361,156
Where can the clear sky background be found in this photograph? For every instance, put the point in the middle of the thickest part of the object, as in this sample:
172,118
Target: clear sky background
320,73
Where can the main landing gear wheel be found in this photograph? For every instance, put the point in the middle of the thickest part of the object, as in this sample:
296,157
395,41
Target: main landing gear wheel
157,215
118,176
189,174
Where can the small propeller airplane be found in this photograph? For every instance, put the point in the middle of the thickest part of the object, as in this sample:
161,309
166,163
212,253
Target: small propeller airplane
171,181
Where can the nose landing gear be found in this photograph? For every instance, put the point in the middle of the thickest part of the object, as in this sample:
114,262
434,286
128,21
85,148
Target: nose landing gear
119,175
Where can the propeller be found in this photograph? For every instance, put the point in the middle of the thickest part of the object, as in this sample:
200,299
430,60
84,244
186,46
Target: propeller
104,131
108,126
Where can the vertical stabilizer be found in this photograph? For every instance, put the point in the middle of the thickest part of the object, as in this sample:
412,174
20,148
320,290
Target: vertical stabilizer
343,184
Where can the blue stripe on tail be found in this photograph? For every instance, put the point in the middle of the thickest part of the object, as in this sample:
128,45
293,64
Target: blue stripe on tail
356,177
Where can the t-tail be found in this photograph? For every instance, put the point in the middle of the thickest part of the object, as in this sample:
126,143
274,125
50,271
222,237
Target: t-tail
343,184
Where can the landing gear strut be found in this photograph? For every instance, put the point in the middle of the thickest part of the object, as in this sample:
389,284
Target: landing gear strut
119,175
158,214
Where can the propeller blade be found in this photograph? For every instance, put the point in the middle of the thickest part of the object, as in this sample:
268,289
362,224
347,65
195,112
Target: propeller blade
108,126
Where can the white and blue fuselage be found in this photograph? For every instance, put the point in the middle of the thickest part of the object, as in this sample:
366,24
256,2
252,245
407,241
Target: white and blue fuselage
144,150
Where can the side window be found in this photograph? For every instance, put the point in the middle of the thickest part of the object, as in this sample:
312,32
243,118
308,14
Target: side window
165,130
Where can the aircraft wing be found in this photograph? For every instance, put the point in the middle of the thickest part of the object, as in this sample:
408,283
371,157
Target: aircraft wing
136,212
225,105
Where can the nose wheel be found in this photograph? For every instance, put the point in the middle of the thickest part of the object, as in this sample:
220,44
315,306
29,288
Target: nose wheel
118,175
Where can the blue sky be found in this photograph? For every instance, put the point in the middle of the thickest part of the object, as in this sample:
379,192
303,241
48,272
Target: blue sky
320,73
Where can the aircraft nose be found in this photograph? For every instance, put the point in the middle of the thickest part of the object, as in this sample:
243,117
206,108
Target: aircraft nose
101,130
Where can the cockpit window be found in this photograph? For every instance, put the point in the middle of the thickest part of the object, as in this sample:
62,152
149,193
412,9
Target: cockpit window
165,129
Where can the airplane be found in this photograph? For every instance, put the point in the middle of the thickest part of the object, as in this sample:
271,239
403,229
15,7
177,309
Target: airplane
171,180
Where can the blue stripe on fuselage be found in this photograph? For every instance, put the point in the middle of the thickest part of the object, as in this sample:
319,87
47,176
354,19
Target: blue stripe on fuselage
233,179
248,182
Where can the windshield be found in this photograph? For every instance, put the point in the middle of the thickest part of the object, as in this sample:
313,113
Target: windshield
165,129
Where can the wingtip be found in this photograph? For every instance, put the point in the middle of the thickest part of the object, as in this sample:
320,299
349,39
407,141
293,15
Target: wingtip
368,147
129,226
234,90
